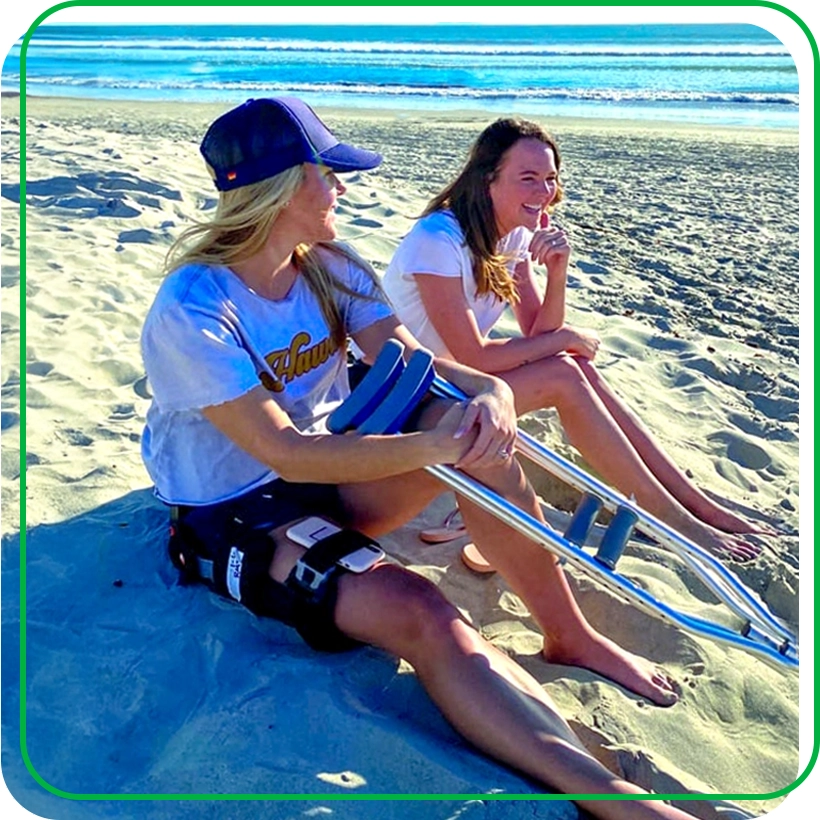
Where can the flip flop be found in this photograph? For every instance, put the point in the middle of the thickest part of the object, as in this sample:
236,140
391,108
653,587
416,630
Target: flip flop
473,559
448,531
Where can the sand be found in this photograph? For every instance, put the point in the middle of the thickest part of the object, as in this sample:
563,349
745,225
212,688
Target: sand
685,261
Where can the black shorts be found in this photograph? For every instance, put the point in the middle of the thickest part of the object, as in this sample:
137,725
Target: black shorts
215,530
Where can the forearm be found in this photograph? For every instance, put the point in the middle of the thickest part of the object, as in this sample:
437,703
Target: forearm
470,380
552,313
257,425
346,459
500,355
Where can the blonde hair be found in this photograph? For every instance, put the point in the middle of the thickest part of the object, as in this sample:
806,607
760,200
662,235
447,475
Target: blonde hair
241,226
468,197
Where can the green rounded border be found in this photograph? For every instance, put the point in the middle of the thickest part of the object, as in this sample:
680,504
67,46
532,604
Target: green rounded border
319,796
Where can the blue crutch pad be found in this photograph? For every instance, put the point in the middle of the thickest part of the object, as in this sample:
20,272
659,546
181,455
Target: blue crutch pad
371,390
403,398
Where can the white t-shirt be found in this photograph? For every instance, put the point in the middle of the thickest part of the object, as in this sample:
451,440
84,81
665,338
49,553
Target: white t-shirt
436,245
208,339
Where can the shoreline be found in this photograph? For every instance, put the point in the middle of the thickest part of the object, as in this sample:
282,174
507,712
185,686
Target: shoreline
462,117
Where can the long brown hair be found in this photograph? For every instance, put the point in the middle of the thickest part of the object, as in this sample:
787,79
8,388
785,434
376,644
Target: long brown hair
239,229
468,197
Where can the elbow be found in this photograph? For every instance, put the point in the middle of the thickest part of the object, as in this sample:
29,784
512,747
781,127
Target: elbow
286,458
289,473
528,325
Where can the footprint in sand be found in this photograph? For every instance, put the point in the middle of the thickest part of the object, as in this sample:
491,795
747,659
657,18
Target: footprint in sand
39,368
360,206
141,236
114,181
9,276
760,429
142,388
119,372
361,222
117,208
590,267
779,408
122,412
76,438
741,451
9,419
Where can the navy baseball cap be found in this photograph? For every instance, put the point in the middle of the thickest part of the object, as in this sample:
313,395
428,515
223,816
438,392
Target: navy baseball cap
262,138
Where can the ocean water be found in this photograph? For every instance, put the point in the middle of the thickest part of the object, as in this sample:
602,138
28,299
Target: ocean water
710,74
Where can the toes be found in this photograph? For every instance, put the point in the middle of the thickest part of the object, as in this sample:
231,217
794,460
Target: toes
664,697
668,691
662,679
745,552
738,551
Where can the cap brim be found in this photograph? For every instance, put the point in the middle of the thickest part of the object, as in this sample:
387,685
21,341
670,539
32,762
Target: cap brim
343,157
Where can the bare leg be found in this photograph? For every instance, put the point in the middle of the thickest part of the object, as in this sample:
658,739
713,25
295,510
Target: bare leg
488,698
559,382
531,571
664,469
534,573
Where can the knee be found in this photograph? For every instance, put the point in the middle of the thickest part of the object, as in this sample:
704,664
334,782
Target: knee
424,619
567,380
588,370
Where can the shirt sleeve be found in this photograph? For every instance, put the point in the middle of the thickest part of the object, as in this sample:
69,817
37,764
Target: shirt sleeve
363,312
371,307
194,358
432,249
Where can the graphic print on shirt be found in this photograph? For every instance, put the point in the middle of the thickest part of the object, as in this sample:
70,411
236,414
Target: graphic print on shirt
298,358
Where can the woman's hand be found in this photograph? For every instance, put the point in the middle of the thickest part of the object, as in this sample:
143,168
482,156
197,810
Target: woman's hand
490,418
550,246
580,342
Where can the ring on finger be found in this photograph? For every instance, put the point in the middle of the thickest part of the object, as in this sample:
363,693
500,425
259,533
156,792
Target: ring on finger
503,453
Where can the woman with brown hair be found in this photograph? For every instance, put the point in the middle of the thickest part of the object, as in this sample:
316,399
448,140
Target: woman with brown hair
470,256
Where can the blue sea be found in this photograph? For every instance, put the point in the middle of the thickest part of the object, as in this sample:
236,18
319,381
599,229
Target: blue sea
711,74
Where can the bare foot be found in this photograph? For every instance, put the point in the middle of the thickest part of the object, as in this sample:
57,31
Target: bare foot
732,548
722,519
606,658
723,545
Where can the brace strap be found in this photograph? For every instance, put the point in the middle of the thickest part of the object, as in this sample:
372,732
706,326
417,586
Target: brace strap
315,568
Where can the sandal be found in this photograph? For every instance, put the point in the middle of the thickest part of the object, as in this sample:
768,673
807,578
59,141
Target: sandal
473,559
448,531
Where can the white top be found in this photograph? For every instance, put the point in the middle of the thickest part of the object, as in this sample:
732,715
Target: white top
208,339
436,246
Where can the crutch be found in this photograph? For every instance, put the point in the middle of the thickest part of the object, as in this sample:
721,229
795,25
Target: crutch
387,395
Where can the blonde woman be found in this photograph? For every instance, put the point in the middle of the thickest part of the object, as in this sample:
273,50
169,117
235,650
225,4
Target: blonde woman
244,346
469,257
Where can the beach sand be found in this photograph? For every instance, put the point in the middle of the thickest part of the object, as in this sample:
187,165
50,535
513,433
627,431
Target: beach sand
685,261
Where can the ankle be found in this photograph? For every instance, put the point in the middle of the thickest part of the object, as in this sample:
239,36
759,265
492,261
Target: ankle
572,646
